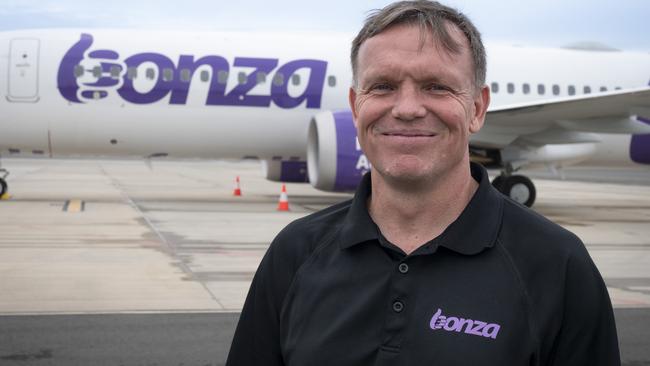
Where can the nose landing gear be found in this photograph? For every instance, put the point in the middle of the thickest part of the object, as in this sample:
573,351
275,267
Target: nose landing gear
518,187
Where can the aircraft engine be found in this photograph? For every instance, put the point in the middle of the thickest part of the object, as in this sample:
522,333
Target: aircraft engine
289,171
640,146
334,158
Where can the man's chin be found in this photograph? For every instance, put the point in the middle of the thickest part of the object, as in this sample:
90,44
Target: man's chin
407,175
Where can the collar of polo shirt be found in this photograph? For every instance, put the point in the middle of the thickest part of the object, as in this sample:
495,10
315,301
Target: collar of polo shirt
475,229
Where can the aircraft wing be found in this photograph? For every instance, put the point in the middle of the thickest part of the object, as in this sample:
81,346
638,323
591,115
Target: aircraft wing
567,120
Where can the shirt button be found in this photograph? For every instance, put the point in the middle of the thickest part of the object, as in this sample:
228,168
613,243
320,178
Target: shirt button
403,268
398,306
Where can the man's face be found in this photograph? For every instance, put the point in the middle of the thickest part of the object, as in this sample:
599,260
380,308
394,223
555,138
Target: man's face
415,105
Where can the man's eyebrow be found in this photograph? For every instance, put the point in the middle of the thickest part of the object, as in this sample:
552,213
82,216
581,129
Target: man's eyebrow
437,79
380,77
387,76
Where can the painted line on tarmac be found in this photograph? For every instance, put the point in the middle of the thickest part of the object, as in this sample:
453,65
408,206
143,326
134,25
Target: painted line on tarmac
74,205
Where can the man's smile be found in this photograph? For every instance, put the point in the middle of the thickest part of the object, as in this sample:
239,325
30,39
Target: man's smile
406,136
399,132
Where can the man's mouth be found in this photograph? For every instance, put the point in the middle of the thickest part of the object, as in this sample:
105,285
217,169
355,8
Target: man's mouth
409,133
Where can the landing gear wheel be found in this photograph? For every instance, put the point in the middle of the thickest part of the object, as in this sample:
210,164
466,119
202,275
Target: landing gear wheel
3,187
520,189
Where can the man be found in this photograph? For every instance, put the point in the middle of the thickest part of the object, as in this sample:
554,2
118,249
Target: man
428,264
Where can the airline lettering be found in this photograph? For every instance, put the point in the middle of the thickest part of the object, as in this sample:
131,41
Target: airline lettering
363,164
177,86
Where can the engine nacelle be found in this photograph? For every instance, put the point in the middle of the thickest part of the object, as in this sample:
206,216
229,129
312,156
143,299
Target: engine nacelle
640,146
285,171
334,158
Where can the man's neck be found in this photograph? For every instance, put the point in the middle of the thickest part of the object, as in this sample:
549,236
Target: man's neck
410,215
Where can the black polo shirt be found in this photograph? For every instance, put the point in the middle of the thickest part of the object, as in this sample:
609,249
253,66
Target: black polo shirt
500,286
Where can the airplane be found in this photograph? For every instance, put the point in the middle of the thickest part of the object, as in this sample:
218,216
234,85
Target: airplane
282,98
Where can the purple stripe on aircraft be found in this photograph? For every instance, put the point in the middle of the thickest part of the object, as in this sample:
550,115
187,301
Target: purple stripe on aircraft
90,94
348,175
108,54
106,81
103,82
107,66
294,171
66,80
640,146
171,78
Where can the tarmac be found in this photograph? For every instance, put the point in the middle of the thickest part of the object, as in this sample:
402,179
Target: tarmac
100,237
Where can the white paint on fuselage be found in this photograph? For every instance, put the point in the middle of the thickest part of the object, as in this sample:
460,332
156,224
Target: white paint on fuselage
564,68
188,130
58,127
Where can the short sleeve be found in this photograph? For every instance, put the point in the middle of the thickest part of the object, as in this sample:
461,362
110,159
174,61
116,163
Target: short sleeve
588,332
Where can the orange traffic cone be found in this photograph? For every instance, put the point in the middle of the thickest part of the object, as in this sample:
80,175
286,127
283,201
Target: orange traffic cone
283,203
237,191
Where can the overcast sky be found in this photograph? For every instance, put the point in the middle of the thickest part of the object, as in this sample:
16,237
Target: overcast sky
620,24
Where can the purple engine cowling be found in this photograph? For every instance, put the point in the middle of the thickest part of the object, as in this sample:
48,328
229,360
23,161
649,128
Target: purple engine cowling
640,146
290,171
334,158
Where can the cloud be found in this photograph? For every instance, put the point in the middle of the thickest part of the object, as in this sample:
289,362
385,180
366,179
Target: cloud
21,14
31,7
507,20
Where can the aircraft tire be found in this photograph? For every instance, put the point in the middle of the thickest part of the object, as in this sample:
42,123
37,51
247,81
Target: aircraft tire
3,187
520,189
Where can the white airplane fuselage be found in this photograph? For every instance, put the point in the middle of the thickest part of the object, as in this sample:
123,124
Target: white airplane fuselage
235,95
38,117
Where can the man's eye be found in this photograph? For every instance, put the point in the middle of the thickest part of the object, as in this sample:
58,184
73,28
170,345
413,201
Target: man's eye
438,87
382,87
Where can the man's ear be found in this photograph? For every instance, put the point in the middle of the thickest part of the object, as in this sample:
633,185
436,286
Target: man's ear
352,99
481,103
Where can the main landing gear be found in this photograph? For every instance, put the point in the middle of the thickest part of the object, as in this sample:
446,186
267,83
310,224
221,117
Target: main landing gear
518,187
3,182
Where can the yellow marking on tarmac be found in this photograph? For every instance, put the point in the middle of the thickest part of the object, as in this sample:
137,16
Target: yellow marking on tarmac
74,206
5,196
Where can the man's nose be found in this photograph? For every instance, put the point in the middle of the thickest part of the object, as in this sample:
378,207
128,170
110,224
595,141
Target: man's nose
408,104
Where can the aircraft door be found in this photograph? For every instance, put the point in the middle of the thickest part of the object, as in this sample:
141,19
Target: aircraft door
23,70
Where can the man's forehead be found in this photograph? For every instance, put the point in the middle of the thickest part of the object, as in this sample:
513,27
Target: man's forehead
408,41
416,38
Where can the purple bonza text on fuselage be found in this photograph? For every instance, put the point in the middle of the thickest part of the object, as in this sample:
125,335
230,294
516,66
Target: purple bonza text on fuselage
468,326
179,85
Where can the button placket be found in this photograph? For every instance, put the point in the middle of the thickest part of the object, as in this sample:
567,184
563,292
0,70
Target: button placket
398,307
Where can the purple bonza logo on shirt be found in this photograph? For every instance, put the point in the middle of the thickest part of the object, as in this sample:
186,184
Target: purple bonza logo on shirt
469,326
148,77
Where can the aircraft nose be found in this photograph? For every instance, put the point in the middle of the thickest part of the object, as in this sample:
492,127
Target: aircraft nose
640,146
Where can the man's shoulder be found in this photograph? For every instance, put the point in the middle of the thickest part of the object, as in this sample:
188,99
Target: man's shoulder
304,235
524,229
543,253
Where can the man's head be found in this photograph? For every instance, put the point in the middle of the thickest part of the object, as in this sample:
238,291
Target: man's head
418,93
428,16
